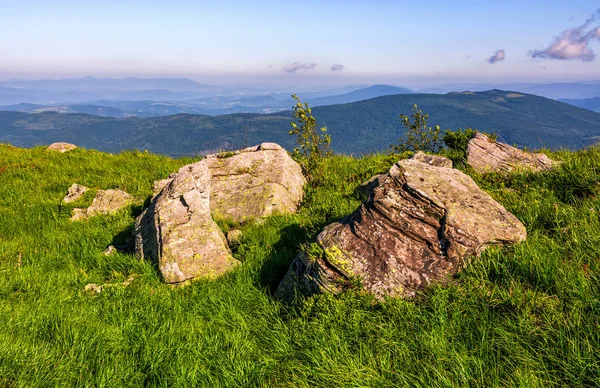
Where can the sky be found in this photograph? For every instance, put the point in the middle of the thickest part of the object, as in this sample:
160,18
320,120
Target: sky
411,43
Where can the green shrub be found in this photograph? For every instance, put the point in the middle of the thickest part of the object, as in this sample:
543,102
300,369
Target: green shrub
418,136
312,145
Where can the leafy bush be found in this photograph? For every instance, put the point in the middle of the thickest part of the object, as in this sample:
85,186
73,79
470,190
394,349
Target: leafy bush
419,137
312,146
456,145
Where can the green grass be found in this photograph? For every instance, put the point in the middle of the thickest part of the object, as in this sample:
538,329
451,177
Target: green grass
523,316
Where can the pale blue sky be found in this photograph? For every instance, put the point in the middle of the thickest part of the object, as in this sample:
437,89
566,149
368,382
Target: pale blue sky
402,42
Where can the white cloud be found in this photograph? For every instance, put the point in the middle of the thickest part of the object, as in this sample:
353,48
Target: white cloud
573,44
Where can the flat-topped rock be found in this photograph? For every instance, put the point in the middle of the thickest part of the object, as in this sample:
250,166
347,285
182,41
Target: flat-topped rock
178,233
420,225
255,182
105,202
61,147
366,188
251,183
487,155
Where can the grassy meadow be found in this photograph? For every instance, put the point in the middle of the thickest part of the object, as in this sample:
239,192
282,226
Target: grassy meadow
524,316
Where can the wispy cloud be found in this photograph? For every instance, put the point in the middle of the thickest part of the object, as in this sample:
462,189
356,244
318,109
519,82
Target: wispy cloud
498,56
294,67
574,43
337,68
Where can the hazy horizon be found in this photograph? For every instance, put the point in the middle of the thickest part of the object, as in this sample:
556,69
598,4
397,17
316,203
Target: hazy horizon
319,44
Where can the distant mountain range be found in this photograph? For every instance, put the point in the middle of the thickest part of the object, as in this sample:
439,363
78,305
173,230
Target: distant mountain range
358,127
587,103
360,94
92,84
554,90
164,103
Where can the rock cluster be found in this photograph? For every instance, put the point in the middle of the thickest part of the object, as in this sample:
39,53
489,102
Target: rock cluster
420,224
177,230
487,155
178,233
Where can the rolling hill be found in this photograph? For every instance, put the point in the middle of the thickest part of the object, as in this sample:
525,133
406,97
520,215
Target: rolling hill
358,128
586,103
360,94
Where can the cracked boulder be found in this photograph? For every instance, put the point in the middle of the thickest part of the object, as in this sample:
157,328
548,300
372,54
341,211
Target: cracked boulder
420,225
487,155
178,233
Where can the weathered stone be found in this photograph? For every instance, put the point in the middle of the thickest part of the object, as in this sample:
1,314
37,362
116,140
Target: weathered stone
366,188
418,227
234,238
105,202
98,288
74,193
159,185
110,250
432,160
254,182
78,214
487,155
177,230
61,147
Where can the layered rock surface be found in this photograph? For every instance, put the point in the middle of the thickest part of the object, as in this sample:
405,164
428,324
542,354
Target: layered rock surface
178,233
419,226
487,155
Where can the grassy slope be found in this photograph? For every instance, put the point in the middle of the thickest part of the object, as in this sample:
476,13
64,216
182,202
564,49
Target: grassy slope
525,316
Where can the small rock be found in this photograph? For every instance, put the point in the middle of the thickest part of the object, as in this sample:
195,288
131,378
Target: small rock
96,289
105,202
74,193
109,251
78,214
234,238
487,155
61,147
93,287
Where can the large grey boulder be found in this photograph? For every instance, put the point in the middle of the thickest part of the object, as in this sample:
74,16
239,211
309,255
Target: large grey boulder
419,226
487,155
255,182
252,183
178,233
